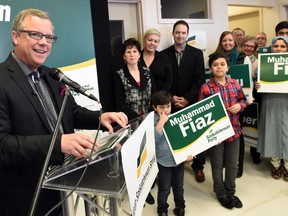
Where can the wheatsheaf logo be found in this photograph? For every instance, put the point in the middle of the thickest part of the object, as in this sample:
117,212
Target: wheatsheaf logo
142,155
192,40
211,136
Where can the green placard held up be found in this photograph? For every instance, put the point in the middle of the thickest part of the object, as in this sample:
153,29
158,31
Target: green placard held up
197,128
273,72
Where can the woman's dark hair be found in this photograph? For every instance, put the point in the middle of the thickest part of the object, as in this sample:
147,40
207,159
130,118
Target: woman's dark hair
161,97
215,56
129,43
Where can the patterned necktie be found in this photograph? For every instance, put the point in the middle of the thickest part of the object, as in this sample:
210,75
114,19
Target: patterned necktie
45,99
179,56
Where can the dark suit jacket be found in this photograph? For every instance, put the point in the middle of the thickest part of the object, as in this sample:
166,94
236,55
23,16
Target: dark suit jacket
25,137
189,76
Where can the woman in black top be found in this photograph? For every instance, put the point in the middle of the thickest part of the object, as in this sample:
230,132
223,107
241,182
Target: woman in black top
158,63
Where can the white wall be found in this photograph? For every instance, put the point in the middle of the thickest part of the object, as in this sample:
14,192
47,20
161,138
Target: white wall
213,30
271,15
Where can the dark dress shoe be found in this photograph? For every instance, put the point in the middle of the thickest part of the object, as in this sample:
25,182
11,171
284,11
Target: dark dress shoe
150,199
255,155
237,202
256,160
179,212
199,175
162,214
226,202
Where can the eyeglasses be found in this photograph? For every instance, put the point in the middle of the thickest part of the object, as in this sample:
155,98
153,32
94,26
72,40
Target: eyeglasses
248,46
261,38
38,36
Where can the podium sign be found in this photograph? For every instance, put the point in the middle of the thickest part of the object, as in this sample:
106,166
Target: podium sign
273,72
197,128
139,163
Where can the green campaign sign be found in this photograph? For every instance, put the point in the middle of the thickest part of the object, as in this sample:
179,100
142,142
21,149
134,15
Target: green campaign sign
273,72
250,124
242,74
198,127
265,49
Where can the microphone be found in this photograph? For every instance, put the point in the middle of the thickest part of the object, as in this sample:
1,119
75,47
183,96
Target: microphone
58,75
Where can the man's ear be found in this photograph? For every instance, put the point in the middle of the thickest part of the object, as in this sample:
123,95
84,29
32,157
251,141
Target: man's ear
15,36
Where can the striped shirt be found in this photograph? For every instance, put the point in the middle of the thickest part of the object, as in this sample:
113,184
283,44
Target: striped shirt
231,93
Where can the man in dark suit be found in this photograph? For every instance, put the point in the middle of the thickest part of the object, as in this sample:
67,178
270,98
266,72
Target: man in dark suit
28,113
188,76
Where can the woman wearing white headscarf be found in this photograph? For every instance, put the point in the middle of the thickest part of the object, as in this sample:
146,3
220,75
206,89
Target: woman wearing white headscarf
273,128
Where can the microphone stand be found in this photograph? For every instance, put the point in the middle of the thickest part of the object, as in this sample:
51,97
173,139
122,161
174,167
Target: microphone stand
41,178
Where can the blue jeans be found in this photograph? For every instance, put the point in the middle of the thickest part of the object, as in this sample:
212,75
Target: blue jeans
225,154
170,177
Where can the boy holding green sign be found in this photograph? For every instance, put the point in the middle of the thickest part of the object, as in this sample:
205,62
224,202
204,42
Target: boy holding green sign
170,174
227,152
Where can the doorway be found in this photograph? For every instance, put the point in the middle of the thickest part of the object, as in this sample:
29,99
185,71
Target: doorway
125,22
247,18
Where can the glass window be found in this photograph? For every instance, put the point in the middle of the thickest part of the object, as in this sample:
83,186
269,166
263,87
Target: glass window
193,11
